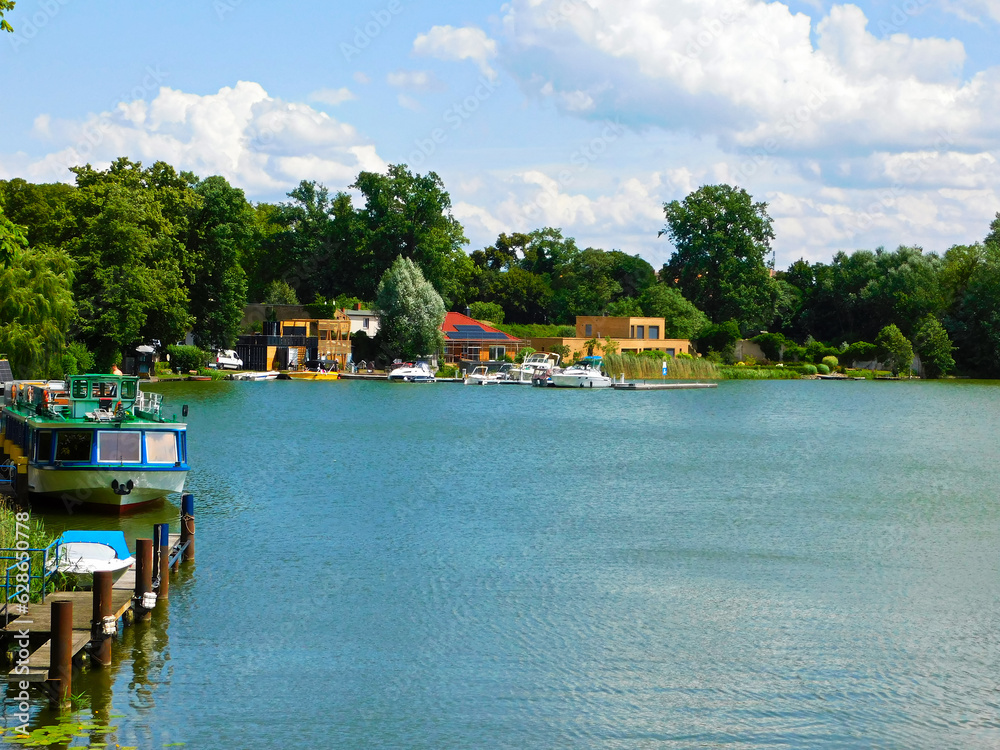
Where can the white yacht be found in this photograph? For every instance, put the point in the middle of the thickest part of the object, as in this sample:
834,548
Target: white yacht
584,374
536,366
418,372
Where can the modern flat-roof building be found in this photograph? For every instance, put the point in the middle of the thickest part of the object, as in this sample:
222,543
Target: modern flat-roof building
632,334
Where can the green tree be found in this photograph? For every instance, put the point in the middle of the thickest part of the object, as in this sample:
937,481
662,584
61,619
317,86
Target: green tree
409,215
12,239
43,210
5,5
720,338
894,349
222,231
489,311
681,319
280,293
411,312
934,348
36,307
722,238
129,284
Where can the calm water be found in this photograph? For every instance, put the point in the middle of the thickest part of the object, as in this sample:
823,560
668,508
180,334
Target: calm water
776,564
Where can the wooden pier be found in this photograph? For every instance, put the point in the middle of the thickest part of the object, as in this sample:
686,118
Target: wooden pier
49,637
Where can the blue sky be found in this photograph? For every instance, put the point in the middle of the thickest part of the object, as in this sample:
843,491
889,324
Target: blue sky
860,125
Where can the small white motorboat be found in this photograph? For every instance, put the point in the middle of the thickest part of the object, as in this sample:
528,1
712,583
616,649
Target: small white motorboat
80,554
418,372
536,366
269,375
584,374
481,375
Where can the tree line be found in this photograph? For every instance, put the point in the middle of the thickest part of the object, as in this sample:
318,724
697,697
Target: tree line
134,254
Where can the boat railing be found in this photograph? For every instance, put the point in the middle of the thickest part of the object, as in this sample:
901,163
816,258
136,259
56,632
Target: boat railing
27,573
148,402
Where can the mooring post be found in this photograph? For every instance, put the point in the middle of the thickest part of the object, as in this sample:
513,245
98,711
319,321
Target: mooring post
144,596
156,552
61,650
163,593
187,525
102,626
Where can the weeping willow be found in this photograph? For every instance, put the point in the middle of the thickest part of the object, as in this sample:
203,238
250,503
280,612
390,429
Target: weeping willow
36,308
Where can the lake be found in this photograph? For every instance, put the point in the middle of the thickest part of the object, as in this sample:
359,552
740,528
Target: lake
806,564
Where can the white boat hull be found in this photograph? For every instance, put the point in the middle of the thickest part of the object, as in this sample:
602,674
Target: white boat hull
580,381
78,561
96,487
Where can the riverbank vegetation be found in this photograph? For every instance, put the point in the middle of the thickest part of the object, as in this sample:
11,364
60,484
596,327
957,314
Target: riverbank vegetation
132,254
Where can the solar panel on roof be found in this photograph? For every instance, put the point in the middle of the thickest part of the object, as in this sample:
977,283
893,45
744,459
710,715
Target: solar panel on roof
477,335
6,375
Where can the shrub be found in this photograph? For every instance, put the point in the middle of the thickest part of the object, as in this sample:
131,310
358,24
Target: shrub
488,311
859,351
830,361
823,369
184,358
447,371
721,338
808,369
771,344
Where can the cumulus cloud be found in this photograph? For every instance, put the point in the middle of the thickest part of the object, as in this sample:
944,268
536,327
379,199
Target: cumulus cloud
258,142
465,43
749,73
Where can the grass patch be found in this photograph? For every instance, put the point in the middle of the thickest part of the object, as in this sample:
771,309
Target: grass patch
736,372
11,532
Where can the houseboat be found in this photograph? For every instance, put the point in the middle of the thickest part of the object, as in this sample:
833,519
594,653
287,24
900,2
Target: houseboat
92,440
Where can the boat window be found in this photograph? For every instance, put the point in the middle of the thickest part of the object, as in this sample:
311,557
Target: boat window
43,446
80,388
128,389
161,448
119,447
73,445
104,389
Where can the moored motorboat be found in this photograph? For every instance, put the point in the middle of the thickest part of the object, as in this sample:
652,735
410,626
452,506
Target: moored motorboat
537,366
269,375
418,372
80,554
93,440
584,374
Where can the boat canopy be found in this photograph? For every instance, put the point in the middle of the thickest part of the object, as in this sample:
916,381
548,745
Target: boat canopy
113,539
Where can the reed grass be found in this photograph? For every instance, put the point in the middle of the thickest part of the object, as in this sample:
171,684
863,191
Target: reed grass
648,368
34,533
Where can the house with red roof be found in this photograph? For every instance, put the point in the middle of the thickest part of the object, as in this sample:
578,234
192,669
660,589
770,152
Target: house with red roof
471,340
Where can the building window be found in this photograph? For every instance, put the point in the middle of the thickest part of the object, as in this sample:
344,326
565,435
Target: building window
654,332
670,352
640,332
498,352
588,330
631,332
365,323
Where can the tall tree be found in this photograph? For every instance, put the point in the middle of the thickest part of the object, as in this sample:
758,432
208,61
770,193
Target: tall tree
222,231
934,347
409,215
722,238
894,349
129,253
411,312
5,5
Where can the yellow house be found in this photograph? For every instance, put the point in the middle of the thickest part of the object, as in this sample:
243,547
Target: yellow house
632,334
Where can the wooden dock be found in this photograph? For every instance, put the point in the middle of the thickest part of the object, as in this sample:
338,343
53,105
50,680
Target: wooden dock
661,386
49,640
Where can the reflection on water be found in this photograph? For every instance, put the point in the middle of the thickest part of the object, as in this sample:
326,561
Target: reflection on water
789,564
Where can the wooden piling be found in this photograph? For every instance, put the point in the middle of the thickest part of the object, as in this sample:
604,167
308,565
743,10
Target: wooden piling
163,592
187,525
143,575
61,650
100,652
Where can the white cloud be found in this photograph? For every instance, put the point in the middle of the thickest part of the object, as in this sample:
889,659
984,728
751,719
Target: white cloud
261,144
749,73
333,97
465,43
